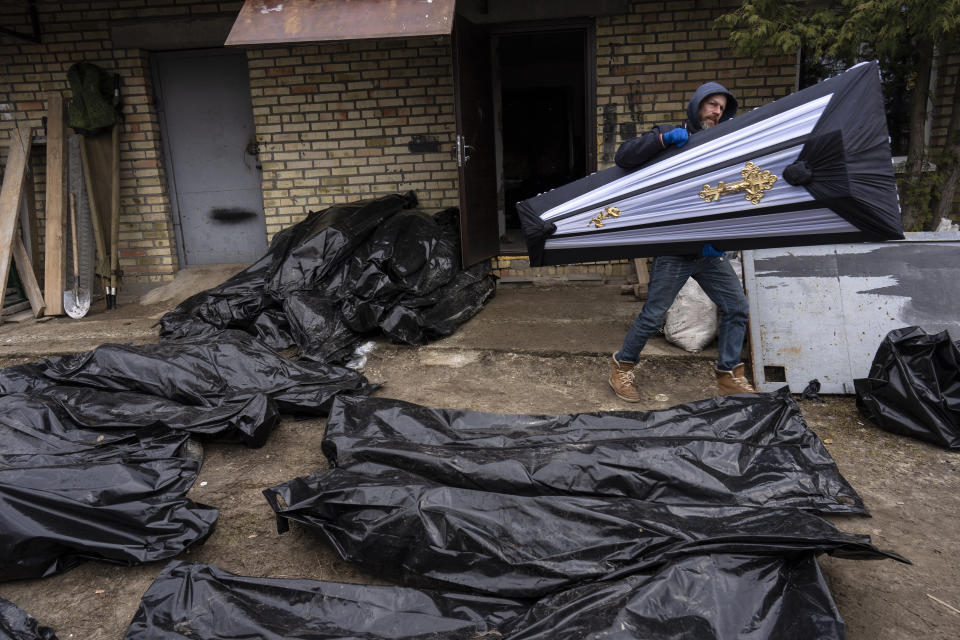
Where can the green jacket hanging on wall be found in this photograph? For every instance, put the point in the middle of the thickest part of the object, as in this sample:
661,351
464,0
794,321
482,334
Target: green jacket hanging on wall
91,110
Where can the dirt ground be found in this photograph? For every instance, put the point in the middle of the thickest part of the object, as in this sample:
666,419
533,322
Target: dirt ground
911,488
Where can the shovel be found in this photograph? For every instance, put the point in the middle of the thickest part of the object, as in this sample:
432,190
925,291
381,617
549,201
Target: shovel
76,301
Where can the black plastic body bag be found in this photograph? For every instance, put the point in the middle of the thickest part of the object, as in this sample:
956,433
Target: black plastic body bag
68,495
710,596
746,451
352,270
560,509
17,624
101,440
913,388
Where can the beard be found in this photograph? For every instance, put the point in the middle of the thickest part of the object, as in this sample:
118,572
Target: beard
706,124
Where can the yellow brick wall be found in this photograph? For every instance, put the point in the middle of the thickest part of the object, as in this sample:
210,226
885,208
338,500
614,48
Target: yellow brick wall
651,60
334,121
518,269
79,32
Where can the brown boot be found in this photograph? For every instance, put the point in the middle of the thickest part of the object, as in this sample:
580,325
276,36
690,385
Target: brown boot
622,380
733,382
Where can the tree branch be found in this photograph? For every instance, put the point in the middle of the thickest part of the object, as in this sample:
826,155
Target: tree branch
916,198
950,167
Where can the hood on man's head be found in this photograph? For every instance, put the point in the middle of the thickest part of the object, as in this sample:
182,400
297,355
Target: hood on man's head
704,90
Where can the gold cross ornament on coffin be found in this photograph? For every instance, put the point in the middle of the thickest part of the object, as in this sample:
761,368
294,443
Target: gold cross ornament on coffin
755,182
609,212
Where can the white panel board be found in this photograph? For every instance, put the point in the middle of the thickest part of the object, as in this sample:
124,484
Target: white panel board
821,312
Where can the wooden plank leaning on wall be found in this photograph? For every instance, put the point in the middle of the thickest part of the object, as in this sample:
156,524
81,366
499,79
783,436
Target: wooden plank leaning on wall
10,194
27,276
54,268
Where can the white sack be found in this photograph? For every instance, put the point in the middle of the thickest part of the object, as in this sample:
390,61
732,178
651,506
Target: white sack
692,319
691,322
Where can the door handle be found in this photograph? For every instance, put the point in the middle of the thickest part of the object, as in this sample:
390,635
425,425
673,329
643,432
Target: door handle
253,149
464,151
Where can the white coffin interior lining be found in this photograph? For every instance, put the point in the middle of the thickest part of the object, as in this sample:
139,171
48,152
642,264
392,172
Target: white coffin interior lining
769,132
680,200
791,223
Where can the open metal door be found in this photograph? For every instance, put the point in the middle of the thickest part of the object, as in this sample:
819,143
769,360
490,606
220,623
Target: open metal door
476,156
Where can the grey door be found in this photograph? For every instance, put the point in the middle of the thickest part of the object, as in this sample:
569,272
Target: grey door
207,126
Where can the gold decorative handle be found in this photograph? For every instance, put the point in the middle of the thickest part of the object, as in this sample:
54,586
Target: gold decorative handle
755,182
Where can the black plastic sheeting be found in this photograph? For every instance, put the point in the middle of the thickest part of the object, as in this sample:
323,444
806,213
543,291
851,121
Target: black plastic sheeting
226,366
100,440
17,624
722,596
425,534
695,521
746,451
350,271
226,386
200,602
248,421
913,387
68,494
715,596
472,514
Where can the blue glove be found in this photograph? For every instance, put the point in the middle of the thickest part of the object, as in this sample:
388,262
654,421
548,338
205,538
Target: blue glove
676,136
709,252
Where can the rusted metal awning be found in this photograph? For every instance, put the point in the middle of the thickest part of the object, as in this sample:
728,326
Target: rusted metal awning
285,21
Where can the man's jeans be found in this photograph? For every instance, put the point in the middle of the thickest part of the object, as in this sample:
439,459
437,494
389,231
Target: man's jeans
718,280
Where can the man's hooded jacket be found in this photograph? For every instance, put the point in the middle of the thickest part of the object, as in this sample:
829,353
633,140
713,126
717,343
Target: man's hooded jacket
635,152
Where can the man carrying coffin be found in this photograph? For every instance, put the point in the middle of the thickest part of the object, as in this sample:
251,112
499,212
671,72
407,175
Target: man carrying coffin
711,104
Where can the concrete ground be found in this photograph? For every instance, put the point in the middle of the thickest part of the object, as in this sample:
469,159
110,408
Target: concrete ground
543,349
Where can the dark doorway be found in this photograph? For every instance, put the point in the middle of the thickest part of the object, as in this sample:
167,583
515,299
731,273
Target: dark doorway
543,95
